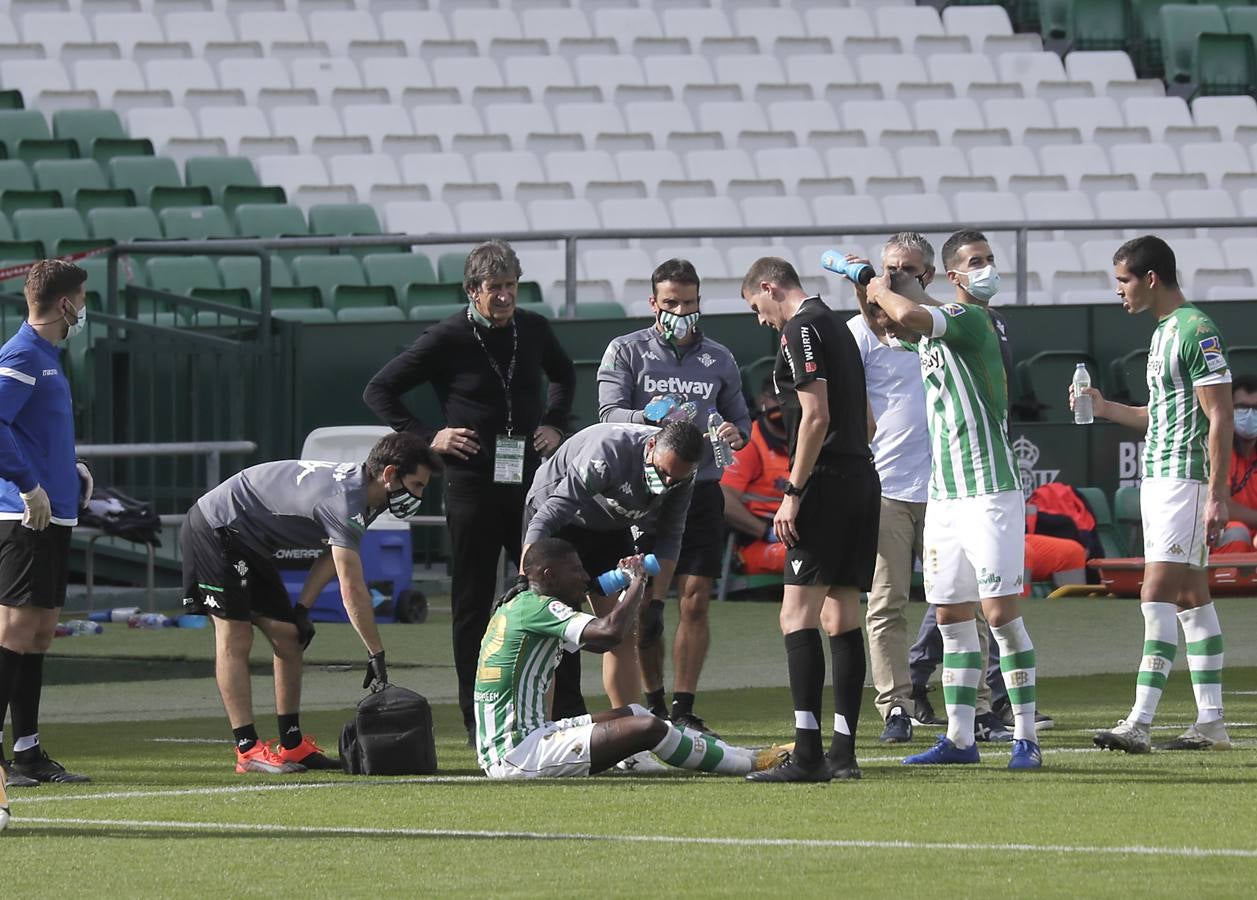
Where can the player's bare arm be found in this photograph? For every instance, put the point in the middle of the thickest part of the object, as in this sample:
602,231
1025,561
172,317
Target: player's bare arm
903,300
1135,417
356,597
609,631
1215,400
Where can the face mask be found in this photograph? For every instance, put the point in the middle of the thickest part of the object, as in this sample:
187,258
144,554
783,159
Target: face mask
654,481
1246,423
80,321
983,283
403,504
674,327
775,418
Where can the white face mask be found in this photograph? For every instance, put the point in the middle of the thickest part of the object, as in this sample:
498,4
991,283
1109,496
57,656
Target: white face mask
674,327
1246,423
983,283
79,323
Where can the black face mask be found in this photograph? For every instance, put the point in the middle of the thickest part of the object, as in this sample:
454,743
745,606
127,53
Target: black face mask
403,504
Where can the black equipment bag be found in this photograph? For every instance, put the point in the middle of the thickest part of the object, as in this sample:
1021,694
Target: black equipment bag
390,735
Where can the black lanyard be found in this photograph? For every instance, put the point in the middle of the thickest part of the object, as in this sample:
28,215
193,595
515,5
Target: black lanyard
1248,473
497,370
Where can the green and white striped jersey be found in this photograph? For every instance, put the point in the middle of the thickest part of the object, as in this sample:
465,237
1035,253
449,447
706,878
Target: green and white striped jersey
1187,352
966,404
518,655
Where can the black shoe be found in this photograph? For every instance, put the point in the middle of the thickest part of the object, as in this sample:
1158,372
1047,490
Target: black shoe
695,723
14,780
988,728
843,769
659,712
923,711
898,727
792,771
1004,709
44,768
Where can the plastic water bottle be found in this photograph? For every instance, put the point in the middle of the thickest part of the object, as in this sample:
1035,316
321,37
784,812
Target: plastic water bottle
83,626
117,614
719,446
1082,400
618,579
150,621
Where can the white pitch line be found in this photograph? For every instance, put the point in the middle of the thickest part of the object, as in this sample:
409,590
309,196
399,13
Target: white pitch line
170,740
255,788
264,828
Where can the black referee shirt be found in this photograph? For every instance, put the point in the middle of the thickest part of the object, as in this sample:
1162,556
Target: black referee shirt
816,345
450,358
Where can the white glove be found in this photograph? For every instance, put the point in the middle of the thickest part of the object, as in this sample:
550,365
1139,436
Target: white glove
87,484
38,509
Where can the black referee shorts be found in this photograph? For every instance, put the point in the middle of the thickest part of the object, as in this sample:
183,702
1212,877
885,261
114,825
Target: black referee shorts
837,526
702,544
599,551
33,565
225,579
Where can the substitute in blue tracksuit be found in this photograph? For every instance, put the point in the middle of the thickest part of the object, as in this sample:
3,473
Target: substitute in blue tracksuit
674,358
41,489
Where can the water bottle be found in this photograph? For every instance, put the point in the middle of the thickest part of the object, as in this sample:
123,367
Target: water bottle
117,614
149,621
1082,400
836,261
618,579
719,446
83,626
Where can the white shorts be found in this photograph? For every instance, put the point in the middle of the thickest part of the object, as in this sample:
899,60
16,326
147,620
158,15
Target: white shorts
556,750
1173,512
975,547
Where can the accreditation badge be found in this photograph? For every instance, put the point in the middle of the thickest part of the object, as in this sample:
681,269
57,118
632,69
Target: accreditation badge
508,460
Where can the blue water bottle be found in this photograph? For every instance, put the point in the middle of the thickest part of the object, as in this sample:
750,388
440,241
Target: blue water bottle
618,579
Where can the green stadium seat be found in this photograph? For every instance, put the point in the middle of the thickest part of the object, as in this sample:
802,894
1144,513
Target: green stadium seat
1129,519
217,172
98,274
49,226
183,274
81,245
246,272
399,270
600,310
6,230
326,272
32,150
370,314
309,315
1106,529
297,296
195,223
1097,24
347,296
107,148
11,99
449,267
1127,381
84,126
137,223
529,294
1242,20
1145,22
144,175
20,251
67,176
1181,27
236,195
270,220
344,218
420,295
18,191
1043,381
237,297
1054,16
18,125
1225,64
435,312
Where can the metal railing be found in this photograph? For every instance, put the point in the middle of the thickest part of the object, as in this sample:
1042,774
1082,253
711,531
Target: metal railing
571,239
212,451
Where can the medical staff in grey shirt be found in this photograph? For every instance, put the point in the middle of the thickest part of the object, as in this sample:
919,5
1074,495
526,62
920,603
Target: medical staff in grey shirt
227,543
605,489
674,359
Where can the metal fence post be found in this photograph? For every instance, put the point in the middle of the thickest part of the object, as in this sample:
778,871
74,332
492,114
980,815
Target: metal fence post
569,265
1023,277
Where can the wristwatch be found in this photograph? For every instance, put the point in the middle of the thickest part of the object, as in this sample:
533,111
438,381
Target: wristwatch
792,491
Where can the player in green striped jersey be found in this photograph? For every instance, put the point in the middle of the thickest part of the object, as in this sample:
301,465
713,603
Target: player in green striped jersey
531,627
1188,426
974,523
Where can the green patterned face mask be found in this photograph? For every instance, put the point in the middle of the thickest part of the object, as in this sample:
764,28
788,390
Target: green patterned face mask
674,327
654,481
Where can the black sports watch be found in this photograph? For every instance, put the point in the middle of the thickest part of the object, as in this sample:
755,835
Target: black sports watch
792,491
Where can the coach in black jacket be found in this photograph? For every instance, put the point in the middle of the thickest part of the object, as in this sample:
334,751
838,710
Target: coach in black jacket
486,366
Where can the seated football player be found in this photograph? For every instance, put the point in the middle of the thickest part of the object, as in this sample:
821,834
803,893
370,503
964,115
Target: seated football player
532,626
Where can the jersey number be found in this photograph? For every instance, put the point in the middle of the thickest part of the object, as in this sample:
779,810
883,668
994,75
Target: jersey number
497,637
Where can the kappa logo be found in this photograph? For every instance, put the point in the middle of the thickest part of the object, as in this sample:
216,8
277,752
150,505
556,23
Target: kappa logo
340,471
211,602
796,564
1177,550
651,354
707,360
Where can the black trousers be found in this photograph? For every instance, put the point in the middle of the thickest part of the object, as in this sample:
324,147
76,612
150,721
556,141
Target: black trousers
483,519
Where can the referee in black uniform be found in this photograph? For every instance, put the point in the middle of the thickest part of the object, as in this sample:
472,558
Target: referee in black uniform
486,365
828,518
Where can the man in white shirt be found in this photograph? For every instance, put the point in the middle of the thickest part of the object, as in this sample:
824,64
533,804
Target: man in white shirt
901,453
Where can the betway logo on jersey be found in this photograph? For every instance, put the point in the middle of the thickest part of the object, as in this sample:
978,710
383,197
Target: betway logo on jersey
674,385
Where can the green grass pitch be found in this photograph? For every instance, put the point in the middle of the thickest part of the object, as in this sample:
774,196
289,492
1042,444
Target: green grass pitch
166,815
